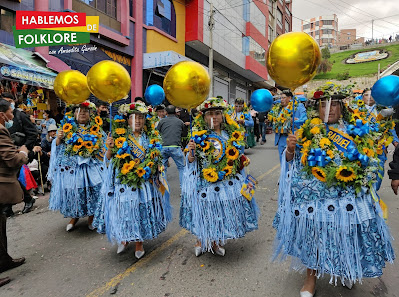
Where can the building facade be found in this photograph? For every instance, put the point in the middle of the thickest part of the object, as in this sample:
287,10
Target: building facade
241,36
347,37
324,29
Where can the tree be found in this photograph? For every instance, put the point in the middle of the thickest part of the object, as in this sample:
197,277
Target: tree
325,53
325,66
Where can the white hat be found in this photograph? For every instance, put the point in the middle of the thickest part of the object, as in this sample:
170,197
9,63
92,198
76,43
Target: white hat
52,127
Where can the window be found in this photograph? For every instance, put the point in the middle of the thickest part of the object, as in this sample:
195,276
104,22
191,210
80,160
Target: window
317,23
7,20
257,18
106,6
327,31
256,51
328,22
131,8
280,17
349,37
287,26
317,32
305,27
164,17
271,34
164,9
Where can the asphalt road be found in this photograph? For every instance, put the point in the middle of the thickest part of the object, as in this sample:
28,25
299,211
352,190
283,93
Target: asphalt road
84,263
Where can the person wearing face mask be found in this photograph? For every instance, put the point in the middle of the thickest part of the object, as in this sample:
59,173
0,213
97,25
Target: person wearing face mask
134,205
281,118
213,206
329,216
11,160
103,113
23,132
76,165
48,120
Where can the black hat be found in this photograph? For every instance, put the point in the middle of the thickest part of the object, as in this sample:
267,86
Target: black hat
337,97
160,107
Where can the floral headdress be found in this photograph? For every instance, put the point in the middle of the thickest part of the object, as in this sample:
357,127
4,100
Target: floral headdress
86,104
213,103
136,107
333,91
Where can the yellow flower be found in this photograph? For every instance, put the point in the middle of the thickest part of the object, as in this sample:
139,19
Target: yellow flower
120,121
88,144
123,156
78,145
330,153
98,120
324,141
368,152
119,142
69,135
94,129
127,167
156,133
307,144
242,117
316,121
357,114
237,136
299,133
319,173
140,172
304,157
67,127
228,170
345,174
230,162
232,153
120,131
154,154
199,133
315,130
206,146
360,103
210,174
153,141
150,164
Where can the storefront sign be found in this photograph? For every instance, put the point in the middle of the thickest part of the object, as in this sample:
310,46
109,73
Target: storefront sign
41,28
367,57
28,77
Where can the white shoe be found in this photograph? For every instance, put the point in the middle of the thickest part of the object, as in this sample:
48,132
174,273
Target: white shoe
69,227
220,251
197,251
348,283
306,294
139,254
91,228
121,248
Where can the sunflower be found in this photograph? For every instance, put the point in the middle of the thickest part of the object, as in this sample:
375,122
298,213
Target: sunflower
120,131
360,103
119,142
156,133
230,162
150,164
324,141
357,114
316,121
119,121
319,173
210,174
78,145
242,117
154,154
67,127
299,133
330,153
69,135
228,170
236,136
123,156
232,153
135,162
153,141
98,120
199,133
307,143
94,129
345,174
368,152
88,144
127,167
315,130
140,172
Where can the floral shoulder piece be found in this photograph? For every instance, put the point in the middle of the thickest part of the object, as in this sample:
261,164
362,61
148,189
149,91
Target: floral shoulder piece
281,117
219,160
136,163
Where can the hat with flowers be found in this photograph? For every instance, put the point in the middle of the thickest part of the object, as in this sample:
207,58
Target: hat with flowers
135,107
332,91
86,104
213,103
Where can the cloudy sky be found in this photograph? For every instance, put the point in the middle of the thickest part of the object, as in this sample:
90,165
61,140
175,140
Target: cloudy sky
352,14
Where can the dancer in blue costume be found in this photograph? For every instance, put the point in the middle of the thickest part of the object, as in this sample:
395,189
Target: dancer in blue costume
76,164
241,114
135,199
212,206
281,118
329,218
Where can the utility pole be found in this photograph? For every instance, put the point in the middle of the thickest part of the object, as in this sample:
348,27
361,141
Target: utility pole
372,31
211,24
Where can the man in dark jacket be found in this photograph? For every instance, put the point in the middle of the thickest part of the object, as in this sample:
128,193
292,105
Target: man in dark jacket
23,132
394,171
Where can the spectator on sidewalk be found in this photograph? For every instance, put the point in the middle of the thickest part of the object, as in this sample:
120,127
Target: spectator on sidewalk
185,117
171,129
262,117
45,124
60,114
103,113
161,113
23,133
11,160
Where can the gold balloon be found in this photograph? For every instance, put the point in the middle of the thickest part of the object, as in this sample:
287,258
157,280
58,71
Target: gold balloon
108,81
292,59
186,84
71,86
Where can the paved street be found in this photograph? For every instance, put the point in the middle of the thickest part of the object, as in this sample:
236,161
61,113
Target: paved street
84,263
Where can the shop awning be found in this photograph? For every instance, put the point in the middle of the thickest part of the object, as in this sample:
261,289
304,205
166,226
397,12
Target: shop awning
162,59
25,66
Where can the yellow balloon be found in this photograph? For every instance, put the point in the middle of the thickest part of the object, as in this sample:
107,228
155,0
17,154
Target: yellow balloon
71,86
292,59
186,84
109,81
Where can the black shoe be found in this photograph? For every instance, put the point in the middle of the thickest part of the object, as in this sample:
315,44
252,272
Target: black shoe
7,211
12,264
263,142
28,206
4,281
